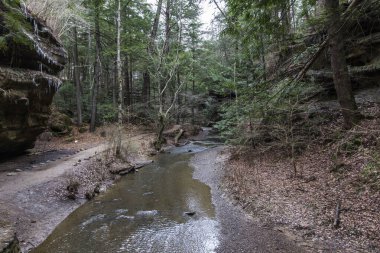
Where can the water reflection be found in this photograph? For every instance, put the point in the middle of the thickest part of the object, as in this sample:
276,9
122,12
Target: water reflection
144,212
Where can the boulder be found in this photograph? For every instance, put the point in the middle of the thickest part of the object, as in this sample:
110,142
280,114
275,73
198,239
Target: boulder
30,59
59,123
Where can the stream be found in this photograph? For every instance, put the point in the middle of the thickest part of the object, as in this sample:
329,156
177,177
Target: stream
145,212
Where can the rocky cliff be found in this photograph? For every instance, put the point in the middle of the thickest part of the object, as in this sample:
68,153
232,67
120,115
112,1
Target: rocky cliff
30,59
362,34
362,46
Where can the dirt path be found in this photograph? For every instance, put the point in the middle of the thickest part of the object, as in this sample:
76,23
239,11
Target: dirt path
239,232
43,173
31,201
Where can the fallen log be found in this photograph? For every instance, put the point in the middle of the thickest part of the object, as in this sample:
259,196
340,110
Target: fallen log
337,215
133,168
127,171
178,136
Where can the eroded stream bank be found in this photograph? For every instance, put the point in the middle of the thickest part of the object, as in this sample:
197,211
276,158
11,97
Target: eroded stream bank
146,212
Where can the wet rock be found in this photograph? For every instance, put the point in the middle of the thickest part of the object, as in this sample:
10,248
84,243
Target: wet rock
89,195
72,196
30,57
11,174
97,189
190,213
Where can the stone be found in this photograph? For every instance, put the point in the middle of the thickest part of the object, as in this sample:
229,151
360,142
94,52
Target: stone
89,195
97,189
46,136
28,68
60,124
82,130
8,240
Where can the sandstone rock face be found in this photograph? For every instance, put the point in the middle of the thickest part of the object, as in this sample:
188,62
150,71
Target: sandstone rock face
30,59
362,51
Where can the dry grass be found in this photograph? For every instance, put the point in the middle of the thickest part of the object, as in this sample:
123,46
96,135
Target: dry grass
97,170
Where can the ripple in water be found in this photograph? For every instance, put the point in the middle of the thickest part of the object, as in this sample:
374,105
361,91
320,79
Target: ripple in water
193,236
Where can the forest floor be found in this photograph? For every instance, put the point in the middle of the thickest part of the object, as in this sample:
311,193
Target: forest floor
338,166
34,187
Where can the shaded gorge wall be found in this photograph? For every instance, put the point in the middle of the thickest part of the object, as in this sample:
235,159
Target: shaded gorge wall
30,59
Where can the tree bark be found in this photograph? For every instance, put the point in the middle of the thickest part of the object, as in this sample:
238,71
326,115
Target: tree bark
342,81
150,49
77,78
127,82
97,70
118,66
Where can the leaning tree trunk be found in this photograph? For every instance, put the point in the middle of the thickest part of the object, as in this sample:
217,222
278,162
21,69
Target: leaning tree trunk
339,67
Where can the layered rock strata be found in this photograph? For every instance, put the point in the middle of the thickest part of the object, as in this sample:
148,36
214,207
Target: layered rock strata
30,59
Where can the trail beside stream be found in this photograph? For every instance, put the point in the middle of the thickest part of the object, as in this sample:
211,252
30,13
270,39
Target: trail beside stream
33,201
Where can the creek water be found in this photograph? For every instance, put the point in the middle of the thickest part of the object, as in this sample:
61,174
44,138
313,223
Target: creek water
145,212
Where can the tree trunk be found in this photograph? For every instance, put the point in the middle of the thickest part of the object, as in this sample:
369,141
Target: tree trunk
150,49
77,78
114,86
342,81
97,70
126,82
118,65
131,80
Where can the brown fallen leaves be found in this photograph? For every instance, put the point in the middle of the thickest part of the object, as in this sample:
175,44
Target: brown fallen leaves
339,166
